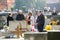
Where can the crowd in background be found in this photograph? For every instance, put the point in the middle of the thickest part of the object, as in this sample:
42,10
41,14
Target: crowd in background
39,22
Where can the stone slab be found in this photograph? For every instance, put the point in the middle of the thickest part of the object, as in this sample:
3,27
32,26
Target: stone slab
35,36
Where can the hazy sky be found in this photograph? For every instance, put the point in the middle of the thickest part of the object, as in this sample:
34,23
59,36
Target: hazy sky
52,1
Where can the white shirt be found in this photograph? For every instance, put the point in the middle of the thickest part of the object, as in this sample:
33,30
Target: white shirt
32,20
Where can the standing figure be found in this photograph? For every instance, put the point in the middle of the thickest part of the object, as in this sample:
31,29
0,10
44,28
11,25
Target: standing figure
54,12
30,21
40,21
20,16
9,18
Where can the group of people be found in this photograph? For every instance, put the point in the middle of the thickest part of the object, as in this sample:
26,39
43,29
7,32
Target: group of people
48,9
40,20
19,17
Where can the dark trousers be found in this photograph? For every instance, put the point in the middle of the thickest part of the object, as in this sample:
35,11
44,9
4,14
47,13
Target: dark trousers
40,28
7,23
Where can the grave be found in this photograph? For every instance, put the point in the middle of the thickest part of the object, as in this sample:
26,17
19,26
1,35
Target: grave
17,27
35,36
54,35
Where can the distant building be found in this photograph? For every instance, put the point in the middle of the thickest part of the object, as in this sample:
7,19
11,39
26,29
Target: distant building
4,4
10,3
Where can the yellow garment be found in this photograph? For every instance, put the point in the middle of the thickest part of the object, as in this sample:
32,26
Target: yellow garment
48,27
54,23
45,17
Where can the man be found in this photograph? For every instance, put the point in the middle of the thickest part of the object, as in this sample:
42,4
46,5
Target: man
40,21
20,16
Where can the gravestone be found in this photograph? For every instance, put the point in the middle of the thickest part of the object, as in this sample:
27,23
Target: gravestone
35,36
13,25
54,35
55,27
17,27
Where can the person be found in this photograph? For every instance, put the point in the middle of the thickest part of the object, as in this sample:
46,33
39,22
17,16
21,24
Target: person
54,11
9,18
30,19
20,16
40,21
45,9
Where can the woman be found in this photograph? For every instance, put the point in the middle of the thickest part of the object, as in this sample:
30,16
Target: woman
9,18
30,21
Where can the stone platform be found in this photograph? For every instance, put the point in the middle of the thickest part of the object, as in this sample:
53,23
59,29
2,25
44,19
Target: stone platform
35,36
